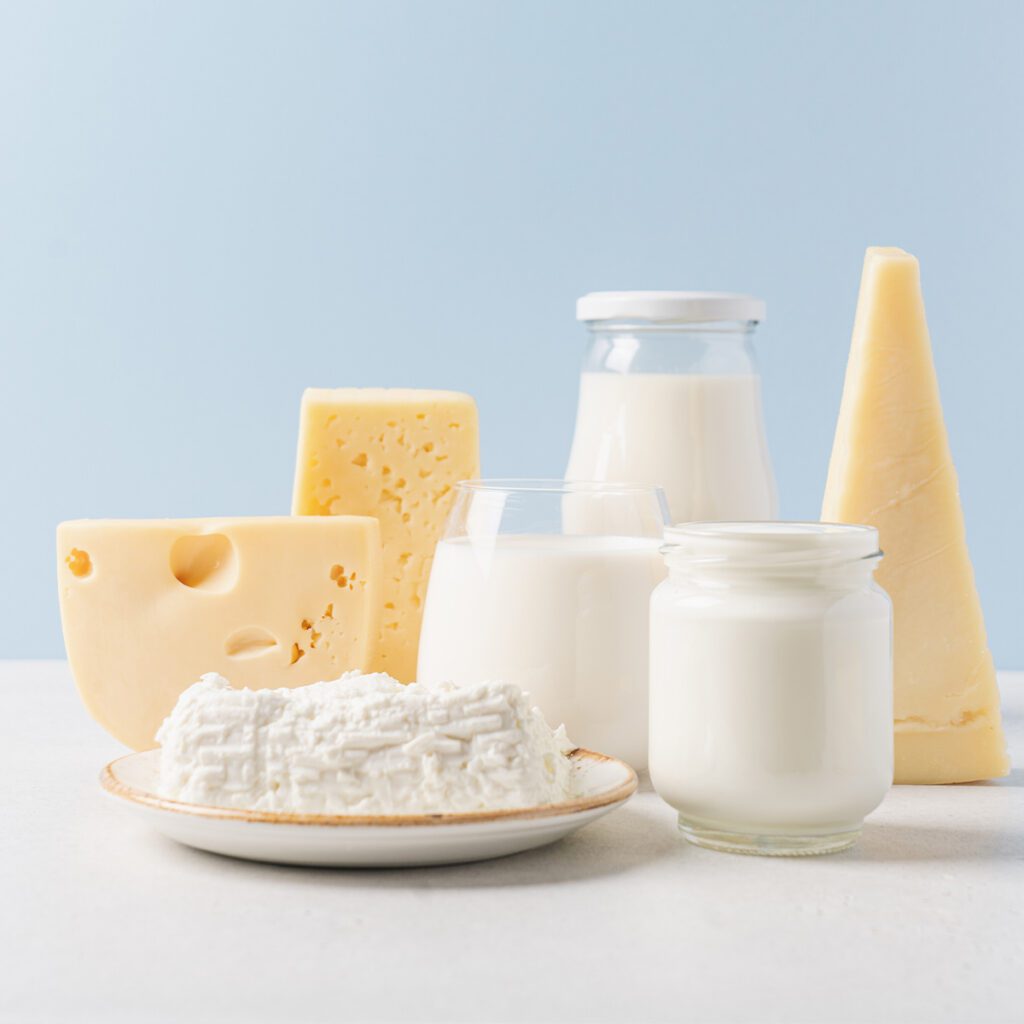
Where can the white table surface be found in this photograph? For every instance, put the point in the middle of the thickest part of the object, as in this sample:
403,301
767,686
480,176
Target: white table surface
103,920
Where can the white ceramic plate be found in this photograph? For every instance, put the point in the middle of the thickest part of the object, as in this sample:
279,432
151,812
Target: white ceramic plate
603,783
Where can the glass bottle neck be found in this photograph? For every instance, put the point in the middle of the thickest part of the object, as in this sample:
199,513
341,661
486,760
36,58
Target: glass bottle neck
646,347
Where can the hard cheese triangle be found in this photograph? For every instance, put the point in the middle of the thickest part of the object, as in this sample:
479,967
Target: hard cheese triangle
891,467
150,605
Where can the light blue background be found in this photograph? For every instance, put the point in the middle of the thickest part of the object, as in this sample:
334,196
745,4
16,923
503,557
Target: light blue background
206,207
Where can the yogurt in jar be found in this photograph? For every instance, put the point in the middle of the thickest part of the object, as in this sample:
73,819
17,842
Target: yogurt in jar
771,685
565,617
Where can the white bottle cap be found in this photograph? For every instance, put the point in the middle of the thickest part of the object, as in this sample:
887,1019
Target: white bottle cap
669,307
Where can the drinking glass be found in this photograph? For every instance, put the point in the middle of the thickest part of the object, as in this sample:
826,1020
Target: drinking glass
547,584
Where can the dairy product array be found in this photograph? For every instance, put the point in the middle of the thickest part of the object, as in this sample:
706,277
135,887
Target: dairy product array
771,675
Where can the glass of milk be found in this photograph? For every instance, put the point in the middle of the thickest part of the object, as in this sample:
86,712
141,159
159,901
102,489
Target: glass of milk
547,584
670,396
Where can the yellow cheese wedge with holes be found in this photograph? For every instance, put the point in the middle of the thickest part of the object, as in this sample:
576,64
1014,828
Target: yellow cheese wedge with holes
395,454
150,605
891,467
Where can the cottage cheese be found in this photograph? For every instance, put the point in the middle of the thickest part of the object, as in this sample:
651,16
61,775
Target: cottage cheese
362,744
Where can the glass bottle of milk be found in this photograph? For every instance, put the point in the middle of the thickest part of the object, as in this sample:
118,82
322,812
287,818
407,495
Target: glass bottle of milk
670,397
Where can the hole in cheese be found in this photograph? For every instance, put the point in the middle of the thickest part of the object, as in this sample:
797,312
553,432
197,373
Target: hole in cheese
79,563
250,642
205,562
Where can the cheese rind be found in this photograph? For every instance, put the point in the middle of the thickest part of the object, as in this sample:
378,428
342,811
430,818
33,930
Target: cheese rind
395,454
150,605
891,468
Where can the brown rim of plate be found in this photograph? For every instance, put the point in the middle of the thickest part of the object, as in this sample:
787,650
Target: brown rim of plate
113,785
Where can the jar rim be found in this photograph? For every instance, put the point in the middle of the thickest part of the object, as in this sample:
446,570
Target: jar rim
554,485
770,543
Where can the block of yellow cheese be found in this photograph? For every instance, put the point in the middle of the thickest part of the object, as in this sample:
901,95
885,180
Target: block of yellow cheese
891,467
395,454
150,605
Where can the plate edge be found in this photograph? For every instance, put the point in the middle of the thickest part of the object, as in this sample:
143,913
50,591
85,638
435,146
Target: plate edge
622,792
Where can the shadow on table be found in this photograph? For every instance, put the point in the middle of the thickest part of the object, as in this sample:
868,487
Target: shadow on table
957,842
622,842
1015,780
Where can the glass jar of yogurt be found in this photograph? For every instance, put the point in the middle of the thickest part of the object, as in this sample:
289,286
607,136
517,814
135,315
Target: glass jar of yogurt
771,685
670,396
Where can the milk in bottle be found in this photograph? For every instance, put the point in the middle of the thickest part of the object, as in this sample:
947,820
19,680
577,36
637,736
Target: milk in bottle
670,397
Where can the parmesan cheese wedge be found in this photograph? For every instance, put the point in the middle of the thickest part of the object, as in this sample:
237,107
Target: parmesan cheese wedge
891,468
